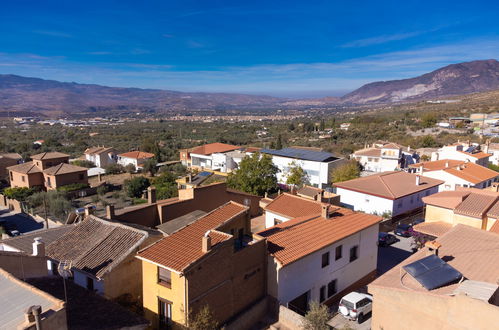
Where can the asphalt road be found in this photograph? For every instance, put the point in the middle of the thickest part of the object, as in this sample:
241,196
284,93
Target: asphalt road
23,222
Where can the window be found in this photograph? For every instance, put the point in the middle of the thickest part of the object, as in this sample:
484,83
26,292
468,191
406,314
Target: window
331,288
165,313
277,221
164,277
81,176
23,178
49,184
354,253
325,259
338,252
90,284
11,176
322,293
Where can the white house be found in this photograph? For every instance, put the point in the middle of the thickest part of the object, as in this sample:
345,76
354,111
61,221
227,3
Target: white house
287,206
394,193
101,156
320,257
463,152
382,157
317,164
457,173
136,158
210,156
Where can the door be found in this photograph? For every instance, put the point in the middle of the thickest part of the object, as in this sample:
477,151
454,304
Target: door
165,314
300,303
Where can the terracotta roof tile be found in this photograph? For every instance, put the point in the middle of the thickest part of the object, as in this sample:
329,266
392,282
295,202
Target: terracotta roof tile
97,150
473,173
391,185
477,155
471,251
447,199
137,155
476,205
370,152
437,228
437,165
309,191
96,246
182,248
26,168
49,155
495,227
293,206
494,211
297,238
64,168
212,148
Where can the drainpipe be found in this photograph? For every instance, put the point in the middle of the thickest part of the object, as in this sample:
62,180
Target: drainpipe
186,308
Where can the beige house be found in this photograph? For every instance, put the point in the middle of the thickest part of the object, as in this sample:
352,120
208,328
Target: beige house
400,301
101,156
472,207
7,160
48,170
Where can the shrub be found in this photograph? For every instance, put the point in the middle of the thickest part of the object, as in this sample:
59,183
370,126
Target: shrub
114,169
102,190
83,163
130,168
203,320
72,187
20,193
317,317
135,187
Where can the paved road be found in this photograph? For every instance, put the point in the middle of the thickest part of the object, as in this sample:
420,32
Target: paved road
23,222
390,256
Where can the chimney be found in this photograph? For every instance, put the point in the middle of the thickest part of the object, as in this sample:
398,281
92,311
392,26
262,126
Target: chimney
99,177
325,211
446,164
88,210
38,247
189,178
408,148
151,195
418,180
110,211
206,242
432,247
33,314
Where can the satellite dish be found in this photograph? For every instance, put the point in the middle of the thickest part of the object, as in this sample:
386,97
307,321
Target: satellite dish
64,269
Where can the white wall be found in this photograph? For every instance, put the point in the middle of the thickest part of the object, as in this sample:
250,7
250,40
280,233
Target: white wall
269,218
124,161
318,172
81,280
307,273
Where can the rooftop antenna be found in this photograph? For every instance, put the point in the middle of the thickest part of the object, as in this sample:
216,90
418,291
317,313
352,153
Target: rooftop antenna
64,269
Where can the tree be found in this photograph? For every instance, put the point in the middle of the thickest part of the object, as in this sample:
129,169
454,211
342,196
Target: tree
297,175
278,144
428,142
83,163
166,186
114,169
256,175
130,168
150,166
322,125
348,171
52,202
317,317
19,193
291,127
135,187
203,320
428,120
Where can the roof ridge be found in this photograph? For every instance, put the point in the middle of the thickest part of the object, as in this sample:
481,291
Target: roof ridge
386,186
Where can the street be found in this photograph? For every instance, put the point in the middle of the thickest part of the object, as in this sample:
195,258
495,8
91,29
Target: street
24,223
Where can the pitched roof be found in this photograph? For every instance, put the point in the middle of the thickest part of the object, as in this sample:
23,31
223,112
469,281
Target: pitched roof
391,146
477,155
49,155
26,168
472,172
437,165
292,206
304,154
309,191
471,251
12,155
212,148
64,168
97,150
370,152
390,185
174,225
476,204
96,246
181,249
447,199
137,155
297,238
437,228
24,242
495,227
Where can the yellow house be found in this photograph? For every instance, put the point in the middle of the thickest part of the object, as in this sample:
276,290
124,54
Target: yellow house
468,206
211,262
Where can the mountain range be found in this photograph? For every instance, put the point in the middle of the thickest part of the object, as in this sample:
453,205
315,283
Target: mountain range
35,95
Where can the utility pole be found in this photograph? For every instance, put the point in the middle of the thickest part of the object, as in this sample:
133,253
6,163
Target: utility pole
46,213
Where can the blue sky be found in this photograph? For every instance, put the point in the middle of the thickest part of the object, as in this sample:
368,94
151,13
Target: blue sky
284,48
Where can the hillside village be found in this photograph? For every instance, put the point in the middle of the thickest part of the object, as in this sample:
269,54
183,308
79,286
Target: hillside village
243,237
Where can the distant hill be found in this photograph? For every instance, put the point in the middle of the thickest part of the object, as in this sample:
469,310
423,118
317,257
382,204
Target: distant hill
38,95
454,79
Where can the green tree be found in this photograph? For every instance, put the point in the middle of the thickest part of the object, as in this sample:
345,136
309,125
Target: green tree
428,120
114,169
203,320
256,175
278,144
428,141
130,168
166,186
19,193
348,171
135,187
322,125
83,163
317,317
150,166
296,175
51,202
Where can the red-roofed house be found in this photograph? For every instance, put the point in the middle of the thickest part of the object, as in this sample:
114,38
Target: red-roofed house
287,206
321,256
464,152
137,158
212,261
210,156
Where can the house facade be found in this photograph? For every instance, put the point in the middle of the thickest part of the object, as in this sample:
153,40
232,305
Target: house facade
392,193
457,173
463,152
288,206
7,160
135,158
382,157
213,156
49,171
101,156
213,261
320,257
317,164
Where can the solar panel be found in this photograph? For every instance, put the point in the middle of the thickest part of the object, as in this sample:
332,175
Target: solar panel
204,173
471,149
432,272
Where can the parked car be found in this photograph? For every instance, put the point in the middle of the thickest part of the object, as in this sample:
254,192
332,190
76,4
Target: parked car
355,306
385,239
417,221
403,230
